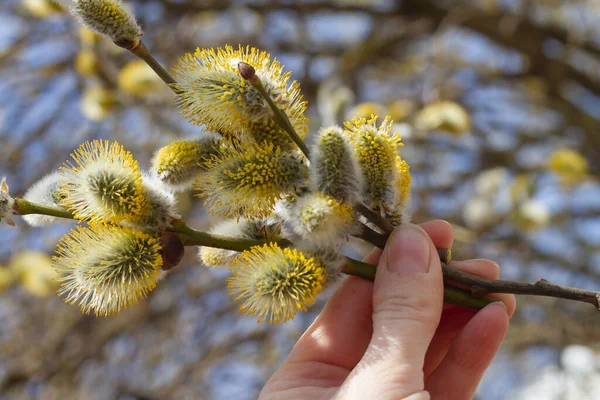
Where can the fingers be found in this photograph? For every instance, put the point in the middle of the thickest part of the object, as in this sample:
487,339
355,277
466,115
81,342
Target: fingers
440,233
469,355
340,334
455,318
407,303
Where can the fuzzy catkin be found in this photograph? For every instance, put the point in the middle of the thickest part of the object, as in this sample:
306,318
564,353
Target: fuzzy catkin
334,166
108,17
45,191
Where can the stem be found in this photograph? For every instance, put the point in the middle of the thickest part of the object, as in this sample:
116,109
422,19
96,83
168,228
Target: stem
142,52
452,295
375,218
24,207
189,236
193,237
480,287
369,235
473,298
379,240
279,116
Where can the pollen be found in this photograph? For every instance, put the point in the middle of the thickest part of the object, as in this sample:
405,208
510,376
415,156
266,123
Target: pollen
106,268
377,150
275,283
246,181
215,94
103,183
108,17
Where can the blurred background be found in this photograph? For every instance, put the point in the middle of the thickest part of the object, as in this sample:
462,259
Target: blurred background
498,103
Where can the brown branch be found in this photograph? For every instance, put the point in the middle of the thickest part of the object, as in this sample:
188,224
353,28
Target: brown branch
374,218
480,287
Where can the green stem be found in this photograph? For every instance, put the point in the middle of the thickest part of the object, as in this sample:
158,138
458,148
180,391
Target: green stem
452,295
193,237
189,236
142,52
280,116
24,207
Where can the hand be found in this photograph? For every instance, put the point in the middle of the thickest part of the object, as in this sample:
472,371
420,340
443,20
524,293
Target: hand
394,338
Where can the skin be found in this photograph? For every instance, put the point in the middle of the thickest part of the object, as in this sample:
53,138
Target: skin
395,338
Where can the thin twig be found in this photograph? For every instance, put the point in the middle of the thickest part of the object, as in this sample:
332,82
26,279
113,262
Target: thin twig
452,295
279,116
375,218
482,286
189,236
369,235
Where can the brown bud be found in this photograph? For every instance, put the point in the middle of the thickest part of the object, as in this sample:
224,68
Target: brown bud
172,250
247,71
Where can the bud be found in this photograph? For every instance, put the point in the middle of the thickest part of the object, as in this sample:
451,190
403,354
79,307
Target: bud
275,283
103,184
322,220
106,268
214,93
46,192
6,204
247,71
376,149
108,17
334,166
246,181
172,250
179,163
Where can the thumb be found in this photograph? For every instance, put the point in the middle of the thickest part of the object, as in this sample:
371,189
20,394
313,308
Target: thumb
407,305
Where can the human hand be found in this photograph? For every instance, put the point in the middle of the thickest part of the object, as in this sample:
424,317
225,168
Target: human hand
394,338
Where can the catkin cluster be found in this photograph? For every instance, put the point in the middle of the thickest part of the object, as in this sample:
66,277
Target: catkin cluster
252,177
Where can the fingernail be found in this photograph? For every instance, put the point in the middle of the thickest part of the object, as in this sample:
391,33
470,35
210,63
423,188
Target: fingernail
408,250
498,304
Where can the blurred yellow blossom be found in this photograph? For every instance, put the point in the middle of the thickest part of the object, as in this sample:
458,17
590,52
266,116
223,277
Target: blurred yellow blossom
569,165
443,115
33,270
97,103
138,79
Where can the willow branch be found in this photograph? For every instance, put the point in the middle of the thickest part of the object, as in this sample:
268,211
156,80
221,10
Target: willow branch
279,116
452,295
189,236
375,218
481,286
194,237
369,235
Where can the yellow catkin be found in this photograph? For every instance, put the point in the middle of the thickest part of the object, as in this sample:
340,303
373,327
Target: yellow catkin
376,150
108,17
246,181
275,283
106,268
214,93
103,183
